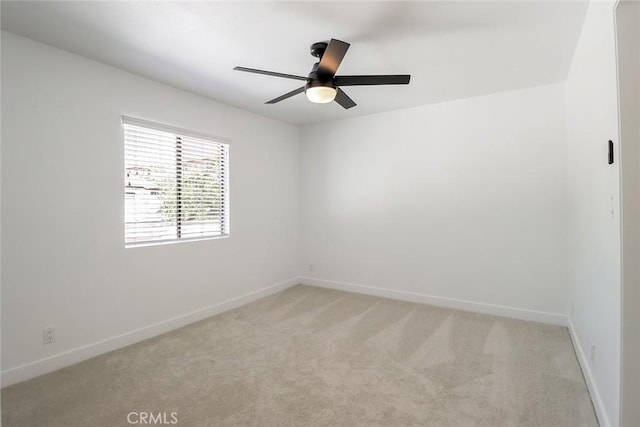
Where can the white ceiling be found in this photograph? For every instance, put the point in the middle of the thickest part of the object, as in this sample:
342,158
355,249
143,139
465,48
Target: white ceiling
453,49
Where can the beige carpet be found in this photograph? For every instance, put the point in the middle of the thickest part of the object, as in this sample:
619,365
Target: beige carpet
310,356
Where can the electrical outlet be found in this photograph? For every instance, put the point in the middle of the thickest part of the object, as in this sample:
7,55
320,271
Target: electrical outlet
49,335
592,353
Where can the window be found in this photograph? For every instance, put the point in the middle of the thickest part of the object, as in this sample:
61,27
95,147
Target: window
176,184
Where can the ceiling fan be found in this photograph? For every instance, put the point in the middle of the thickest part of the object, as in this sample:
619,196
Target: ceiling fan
322,85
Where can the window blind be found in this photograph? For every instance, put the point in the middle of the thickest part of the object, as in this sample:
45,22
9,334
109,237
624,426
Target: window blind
176,185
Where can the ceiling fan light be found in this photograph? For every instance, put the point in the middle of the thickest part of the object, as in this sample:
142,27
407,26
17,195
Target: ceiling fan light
321,94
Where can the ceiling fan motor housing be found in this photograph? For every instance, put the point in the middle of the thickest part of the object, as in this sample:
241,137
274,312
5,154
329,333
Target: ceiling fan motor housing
318,79
318,82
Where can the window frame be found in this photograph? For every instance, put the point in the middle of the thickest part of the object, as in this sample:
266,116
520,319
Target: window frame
223,144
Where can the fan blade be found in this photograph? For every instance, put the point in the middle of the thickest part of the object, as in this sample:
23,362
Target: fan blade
332,57
344,100
269,73
390,79
286,95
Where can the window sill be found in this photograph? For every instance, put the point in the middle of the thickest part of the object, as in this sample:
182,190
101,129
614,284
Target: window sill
173,241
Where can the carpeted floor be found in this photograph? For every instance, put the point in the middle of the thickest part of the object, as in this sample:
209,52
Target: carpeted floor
309,356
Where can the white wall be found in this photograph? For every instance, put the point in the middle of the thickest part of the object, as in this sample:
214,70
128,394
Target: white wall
628,52
463,200
594,217
64,261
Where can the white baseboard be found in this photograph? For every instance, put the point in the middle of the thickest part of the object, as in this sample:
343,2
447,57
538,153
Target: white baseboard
598,405
70,357
458,304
